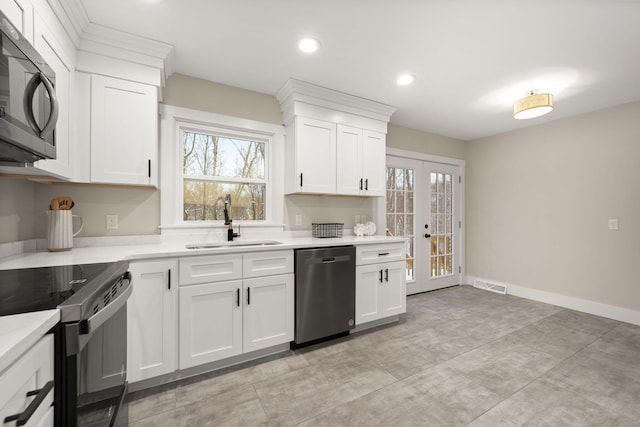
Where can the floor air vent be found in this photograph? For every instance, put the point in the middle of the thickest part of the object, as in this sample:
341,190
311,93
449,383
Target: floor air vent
488,286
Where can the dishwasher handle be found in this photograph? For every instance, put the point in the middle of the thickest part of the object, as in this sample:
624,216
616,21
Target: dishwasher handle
328,260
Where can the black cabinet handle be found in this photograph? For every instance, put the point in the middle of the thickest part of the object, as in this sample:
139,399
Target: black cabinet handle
361,184
169,279
23,418
366,184
300,179
248,296
384,254
149,168
238,297
380,276
386,274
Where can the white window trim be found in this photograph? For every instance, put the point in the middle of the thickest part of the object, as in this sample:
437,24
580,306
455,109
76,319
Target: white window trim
172,120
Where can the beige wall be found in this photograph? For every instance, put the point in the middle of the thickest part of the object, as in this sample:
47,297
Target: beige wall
138,208
190,92
423,142
16,209
538,201
327,209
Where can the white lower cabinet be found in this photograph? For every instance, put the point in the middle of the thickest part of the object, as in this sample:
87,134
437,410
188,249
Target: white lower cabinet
380,285
210,322
221,319
151,319
28,381
268,312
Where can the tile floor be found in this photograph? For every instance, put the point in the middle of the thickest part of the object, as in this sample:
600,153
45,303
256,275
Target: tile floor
459,356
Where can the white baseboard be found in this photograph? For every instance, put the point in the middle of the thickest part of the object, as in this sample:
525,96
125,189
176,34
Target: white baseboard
586,306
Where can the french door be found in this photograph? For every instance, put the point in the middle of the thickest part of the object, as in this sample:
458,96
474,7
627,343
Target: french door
423,204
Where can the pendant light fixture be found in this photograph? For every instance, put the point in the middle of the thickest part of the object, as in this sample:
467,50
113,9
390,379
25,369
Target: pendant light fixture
533,105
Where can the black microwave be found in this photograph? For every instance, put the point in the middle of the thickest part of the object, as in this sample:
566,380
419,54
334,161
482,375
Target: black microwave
28,104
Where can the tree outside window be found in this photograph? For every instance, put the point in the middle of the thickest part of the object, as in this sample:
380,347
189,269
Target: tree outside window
221,168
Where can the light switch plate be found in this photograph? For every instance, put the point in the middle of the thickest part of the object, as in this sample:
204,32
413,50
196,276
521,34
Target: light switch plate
613,224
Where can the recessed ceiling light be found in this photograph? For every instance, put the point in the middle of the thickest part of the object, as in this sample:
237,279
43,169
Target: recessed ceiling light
308,45
406,79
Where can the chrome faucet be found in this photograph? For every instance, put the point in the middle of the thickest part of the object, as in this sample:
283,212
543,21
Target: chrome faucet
228,221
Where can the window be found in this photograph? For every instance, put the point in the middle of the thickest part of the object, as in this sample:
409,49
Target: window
207,159
221,167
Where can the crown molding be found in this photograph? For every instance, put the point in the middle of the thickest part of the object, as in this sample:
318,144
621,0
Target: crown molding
295,92
108,42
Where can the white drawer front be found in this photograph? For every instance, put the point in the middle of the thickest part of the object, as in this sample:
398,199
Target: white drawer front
211,268
29,373
267,263
370,254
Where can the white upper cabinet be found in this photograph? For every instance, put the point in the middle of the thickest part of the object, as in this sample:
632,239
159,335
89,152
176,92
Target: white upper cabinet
361,162
20,13
315,156
51,43
124,132
373,162
335,142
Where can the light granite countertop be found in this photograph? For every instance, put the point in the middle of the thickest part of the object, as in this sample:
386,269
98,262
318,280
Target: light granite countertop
19,332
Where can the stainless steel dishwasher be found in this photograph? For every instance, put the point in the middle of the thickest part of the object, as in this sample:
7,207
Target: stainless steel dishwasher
325,292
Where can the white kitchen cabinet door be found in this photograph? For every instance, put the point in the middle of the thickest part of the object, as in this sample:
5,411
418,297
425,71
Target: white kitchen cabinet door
210,322
315,156
20,13
124,132
151,319
394,289
373,163
350,180
268,311
368,294
53,51
29,373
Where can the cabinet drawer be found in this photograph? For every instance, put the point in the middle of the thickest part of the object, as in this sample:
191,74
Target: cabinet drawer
210,268
267,263
387,252
29,373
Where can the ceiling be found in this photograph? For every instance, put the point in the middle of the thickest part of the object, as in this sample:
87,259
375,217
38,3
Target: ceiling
472,58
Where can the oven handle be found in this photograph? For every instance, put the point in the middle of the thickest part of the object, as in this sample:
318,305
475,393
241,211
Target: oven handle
87,327
98,319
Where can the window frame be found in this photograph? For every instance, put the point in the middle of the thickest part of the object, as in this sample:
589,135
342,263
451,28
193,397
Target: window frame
173,121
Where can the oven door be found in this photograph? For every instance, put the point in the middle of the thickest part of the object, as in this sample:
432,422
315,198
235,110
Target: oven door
95,378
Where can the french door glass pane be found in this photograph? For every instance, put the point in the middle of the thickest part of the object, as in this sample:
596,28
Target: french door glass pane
441,249
400,194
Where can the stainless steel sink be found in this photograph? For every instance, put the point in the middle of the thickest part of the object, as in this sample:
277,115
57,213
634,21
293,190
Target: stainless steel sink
216,245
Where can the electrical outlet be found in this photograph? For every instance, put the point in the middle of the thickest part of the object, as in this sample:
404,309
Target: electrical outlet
298,219
613,224
357,219
112,222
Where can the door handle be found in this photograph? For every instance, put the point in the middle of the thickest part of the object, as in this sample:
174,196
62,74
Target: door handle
427,235
360,184
248,296
238,297
386,274
380,276
366,184
300,179
169,279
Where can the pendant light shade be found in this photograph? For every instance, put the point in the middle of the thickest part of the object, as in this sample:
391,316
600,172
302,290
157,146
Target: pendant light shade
533,105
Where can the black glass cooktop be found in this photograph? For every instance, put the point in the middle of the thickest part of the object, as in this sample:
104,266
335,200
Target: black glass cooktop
35,289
